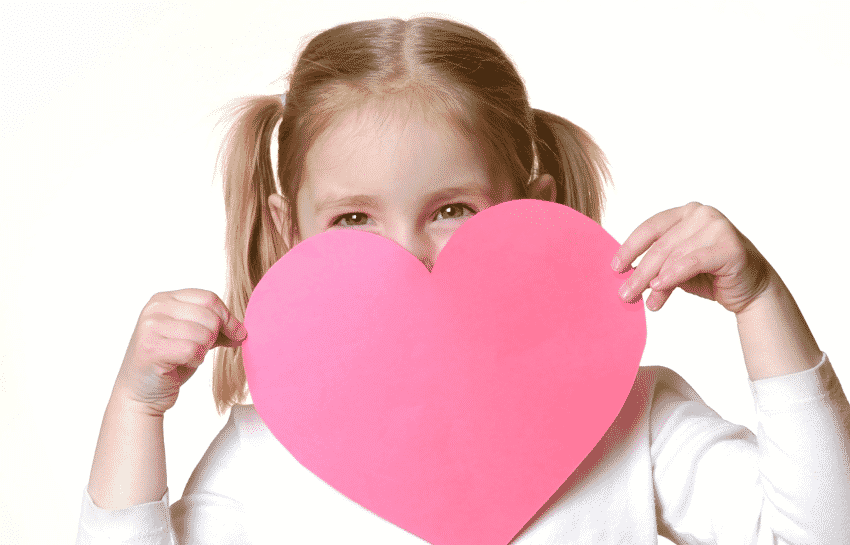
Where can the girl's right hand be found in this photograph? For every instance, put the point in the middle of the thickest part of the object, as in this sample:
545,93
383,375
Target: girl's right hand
175,331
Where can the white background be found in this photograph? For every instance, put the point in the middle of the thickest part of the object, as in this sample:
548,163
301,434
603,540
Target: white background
109,196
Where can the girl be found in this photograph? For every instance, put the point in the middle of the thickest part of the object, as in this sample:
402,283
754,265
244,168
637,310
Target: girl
407,128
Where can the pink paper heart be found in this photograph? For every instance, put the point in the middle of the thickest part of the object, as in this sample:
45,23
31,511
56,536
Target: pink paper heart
452,403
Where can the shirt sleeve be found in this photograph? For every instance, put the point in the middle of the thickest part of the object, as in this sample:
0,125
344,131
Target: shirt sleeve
718,483
208,512
145,524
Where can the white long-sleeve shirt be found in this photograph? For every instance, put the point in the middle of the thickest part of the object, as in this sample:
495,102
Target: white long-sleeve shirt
668,465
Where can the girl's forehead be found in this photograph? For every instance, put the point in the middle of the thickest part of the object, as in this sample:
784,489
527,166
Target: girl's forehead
374,133
387,119
369,151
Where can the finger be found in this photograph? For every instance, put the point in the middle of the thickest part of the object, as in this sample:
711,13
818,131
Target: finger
678,240
700,260
667,247
187,342
190,312
189,330
181,373
229,324
194,314
184,352
643,237
684,244
652,229
657,298
224,340
207,337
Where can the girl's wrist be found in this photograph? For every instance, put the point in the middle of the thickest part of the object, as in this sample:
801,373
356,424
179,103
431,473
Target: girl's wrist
775,338
774,290
121,402
129,461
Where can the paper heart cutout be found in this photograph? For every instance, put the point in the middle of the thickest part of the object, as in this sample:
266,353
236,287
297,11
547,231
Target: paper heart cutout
452,403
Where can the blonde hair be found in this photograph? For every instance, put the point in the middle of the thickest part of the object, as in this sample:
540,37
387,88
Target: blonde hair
455,71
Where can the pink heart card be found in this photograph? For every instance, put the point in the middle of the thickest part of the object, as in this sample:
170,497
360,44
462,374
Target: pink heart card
452,403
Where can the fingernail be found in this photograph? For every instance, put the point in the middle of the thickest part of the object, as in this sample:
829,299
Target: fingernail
624,292
241,332
616,263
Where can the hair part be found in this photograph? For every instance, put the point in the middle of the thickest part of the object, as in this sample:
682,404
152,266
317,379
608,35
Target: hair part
449,71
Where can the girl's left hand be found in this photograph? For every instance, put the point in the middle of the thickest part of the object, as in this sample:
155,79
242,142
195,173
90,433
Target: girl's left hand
696,248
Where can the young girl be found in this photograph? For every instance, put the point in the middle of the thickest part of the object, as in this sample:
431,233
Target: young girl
407,128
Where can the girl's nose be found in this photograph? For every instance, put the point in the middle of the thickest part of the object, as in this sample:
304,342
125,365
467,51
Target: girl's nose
423,247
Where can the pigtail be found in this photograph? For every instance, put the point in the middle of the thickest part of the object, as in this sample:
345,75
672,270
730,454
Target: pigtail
580,168
252,243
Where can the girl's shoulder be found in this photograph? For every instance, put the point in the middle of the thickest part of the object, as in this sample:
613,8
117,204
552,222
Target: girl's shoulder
247,424
657,378
663,392
244,414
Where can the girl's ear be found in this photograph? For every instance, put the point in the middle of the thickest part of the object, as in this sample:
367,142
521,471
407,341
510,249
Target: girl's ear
543,188
280,215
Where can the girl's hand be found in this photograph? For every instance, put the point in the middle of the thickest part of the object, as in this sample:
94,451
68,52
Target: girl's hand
175,331
693,247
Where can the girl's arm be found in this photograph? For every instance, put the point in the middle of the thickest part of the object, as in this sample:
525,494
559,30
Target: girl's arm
774,335
129,460
172,337
792,480
209,511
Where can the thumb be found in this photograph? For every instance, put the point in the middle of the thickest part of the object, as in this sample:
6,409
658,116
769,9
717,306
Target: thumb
224,340
232,332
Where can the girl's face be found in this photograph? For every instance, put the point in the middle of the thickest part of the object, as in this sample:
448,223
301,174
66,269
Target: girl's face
405,178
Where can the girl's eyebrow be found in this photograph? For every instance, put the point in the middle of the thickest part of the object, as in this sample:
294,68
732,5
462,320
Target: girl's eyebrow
338,200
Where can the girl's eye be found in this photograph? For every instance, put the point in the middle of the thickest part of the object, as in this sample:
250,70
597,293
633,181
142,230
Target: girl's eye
356,217
453,211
